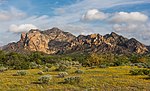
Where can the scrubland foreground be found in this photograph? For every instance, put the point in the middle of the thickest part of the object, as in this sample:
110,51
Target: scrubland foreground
91,79
74,72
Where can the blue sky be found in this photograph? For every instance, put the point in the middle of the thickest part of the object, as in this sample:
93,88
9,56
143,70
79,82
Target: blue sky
37,7
126,17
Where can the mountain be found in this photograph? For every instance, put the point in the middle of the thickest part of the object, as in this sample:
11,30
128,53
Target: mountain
56,41
148,47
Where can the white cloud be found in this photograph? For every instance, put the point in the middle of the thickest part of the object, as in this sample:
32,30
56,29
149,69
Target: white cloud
133,24
126,27
67,18
21,28
94,14
129,22
132,17
140,31
12,14
120,17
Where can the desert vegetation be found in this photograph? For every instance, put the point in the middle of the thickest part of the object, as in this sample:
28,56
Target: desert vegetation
77,71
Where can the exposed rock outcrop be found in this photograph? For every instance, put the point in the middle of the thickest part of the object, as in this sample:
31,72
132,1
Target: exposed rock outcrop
56,41
148,47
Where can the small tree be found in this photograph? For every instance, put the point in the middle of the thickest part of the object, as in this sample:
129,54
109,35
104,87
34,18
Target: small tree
95,59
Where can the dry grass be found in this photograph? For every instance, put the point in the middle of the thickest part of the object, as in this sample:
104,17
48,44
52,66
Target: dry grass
98,79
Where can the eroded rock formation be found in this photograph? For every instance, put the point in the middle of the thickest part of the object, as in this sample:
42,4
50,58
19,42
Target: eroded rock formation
56,41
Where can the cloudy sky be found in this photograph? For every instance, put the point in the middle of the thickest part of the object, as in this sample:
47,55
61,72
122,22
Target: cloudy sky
130,18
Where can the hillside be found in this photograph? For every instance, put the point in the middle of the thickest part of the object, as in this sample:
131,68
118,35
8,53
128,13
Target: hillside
56,41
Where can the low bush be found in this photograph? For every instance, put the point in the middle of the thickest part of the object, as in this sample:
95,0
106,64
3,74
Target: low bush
62,74
70,63
103,66
146,71
79,72
62,68
2,69
140,65
119,63
49,65
93,67
72,80
45,79
23,66
40,73
39,66
110,64
136,72
140,71
21,73
33,65
147,65
46,69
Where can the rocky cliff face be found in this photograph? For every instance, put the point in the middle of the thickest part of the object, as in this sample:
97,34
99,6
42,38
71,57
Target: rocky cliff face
148,47
109,43
56,41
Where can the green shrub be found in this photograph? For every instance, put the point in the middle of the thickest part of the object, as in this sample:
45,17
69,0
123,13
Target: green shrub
93,67
21,66
79,72
76,64
110,64
62,74
119,63
70,63
40,73
72,80
140,71
136,72
21,73
39,66
46,69
66,63
103,66
2,69
140,65
33,65
49,65
62,68
45,79
146,65
1,65
146,71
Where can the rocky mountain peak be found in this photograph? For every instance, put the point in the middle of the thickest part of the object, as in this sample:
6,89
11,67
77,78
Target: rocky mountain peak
56,41
114,34
53,30
23,35
34,30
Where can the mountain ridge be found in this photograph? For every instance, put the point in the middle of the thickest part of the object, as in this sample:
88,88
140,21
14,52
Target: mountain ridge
56,41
